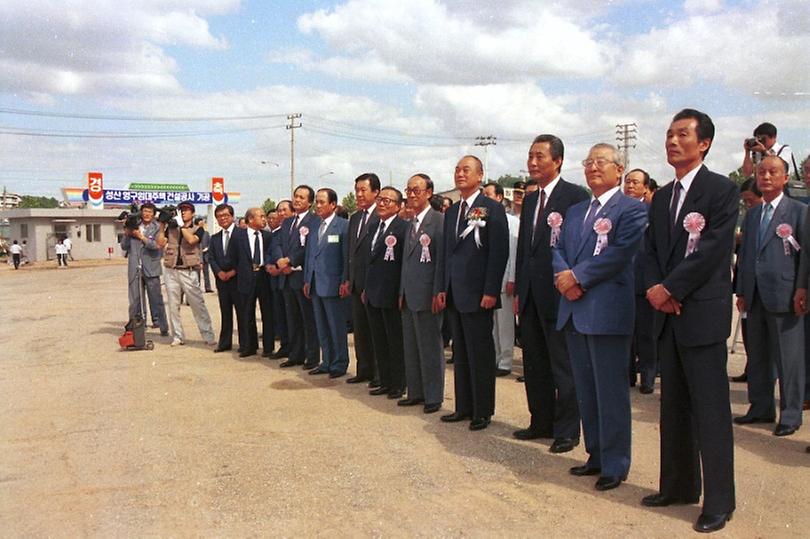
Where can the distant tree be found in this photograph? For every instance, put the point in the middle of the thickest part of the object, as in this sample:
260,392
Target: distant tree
737,176
269,205
507,180
28,201
349,202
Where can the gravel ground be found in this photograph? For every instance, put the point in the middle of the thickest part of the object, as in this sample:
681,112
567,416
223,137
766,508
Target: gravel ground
183,442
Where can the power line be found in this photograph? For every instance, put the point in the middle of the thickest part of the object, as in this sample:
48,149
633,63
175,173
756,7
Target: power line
57,133
111,117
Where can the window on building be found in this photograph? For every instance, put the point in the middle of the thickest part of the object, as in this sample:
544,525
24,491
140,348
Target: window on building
23,230
92,233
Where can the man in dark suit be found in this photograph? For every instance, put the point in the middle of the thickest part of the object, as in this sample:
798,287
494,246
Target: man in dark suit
769,257
324,272
282,211
220,256
251,246
550,388
363,221
476,248
289,255
421,283
689,242
383,273
593,267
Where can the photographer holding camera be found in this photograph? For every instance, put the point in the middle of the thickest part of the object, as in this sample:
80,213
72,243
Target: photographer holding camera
764,143
182,262
143,243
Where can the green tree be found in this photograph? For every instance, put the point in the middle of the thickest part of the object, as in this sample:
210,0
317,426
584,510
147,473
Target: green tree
737,176
269,205
28,201
349,203
507,180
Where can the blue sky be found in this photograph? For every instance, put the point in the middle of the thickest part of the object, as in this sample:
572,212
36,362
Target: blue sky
389,87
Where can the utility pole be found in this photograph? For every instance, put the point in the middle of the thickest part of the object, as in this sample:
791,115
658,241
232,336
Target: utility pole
292,126
625,134
486,142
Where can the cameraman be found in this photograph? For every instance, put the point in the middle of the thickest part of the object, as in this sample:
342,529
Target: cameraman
142,246
182,261
764,143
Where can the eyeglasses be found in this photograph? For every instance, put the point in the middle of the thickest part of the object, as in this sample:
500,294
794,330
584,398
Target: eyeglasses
599,162
384,201
415,191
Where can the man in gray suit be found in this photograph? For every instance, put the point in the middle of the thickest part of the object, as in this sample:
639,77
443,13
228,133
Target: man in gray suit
143,246
767,270
422,281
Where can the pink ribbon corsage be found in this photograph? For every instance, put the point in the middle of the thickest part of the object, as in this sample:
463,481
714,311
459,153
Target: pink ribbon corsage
785,233
555,221
693,223
424,241
602,227
302,235
390,241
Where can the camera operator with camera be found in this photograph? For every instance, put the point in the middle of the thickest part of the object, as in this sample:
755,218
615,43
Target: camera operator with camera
182,262
143,243
764,143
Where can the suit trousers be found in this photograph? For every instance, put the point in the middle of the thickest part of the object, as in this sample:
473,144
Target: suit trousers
504,333
386,334
474,362
696,423
598,364
330,321
550,389
424,355
184,281
363,344
775,338
280,320
807,357
303,335
248,333
155,296
643,346
228,296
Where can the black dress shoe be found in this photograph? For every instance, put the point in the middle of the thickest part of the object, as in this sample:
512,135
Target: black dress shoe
308,366
454,417
608,482
502,372
531,434
564,445
711,523
289,363
379,391
409,402
520,379
336,374
645,390
479,423
266,354
433,408
374,383
749,419
784,430
583,470
219,349
279,354
741,378
247,353
317,370
356,380
662,500
395,394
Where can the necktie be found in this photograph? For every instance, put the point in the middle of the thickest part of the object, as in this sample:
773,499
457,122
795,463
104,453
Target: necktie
590,219
227,240
257,249
362,223
414,228
767,213
462,216
321,230
379,235
294,224
538,220
673,206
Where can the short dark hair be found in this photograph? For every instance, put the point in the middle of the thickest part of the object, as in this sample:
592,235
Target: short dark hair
498,187
331,195
529,183
750,185
705,126
653,185
644,173
372,179
394,189
285,201
428,181
309,189
554,144
226,207
766,128
520,184
436,202
474,158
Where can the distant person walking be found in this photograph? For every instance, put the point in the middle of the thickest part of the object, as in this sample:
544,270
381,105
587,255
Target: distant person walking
69,247
16,253
61,254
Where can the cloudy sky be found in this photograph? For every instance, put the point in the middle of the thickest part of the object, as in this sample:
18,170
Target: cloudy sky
183,90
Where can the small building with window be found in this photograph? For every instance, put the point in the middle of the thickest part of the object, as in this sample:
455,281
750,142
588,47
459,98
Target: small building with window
92,232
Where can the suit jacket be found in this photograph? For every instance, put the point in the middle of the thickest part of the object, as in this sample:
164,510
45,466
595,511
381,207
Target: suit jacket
360,249
383,276
326,258
290,247
608,305
767,269
471,271
217,257
702,280
148,253
423,280
245,276
638,263
275,239
533,272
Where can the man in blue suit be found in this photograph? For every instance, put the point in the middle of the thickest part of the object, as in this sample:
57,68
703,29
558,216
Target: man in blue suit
476,248
767,270
275,218
289,254
593,268
220,256
324,272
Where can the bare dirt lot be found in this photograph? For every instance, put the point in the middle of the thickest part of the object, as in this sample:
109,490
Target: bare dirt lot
183,442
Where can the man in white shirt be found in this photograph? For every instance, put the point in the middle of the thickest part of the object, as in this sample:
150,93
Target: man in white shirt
764,143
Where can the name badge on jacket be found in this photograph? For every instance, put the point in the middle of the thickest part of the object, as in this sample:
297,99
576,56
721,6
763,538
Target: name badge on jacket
333,238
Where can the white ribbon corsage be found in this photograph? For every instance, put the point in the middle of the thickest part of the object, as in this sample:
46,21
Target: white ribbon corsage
602,227
785,233
555,221
424,241
693,223
390,241
475,221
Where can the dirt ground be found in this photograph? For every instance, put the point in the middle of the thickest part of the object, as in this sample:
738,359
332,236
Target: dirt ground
182,442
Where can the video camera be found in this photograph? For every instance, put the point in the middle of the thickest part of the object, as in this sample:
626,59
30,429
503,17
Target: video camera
166,215
131,218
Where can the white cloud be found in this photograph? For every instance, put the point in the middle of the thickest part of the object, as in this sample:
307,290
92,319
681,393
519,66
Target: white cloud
693,7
